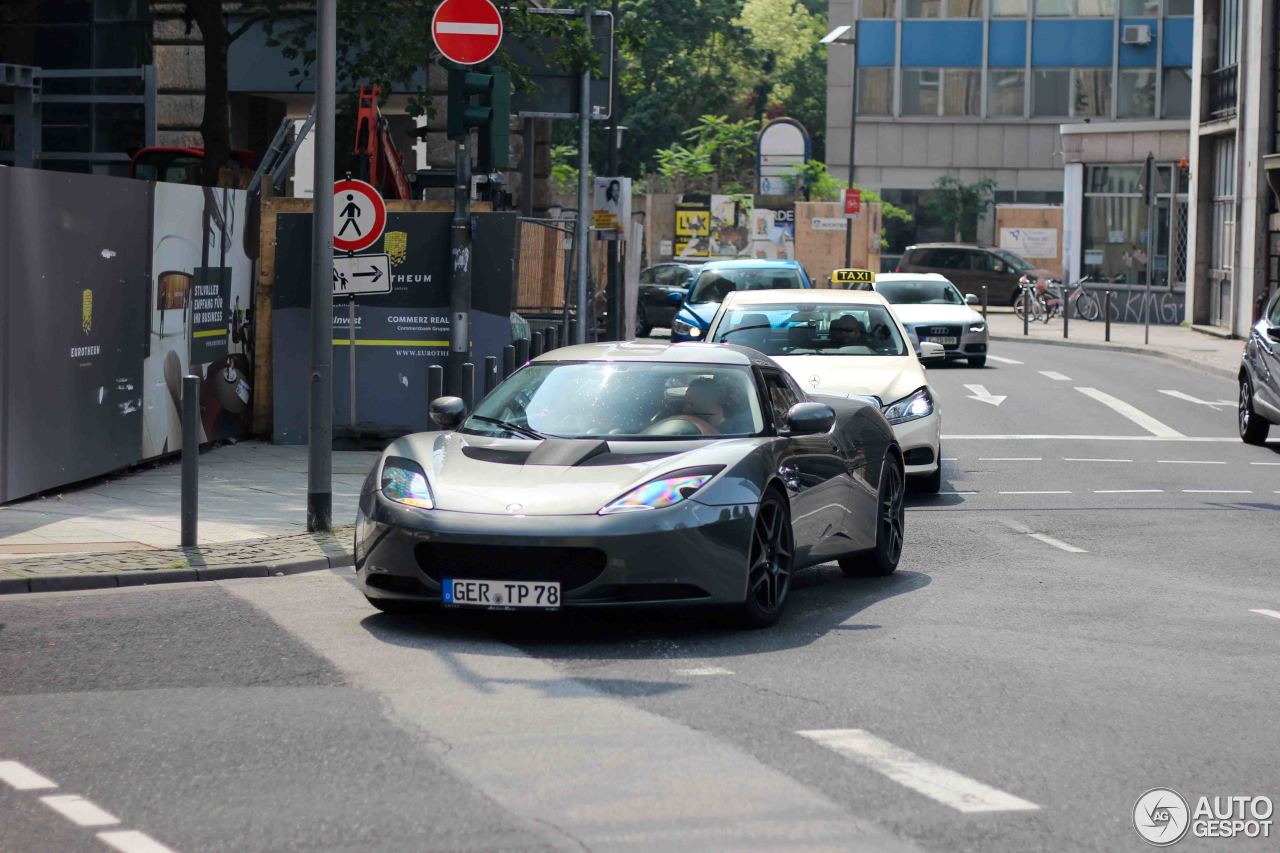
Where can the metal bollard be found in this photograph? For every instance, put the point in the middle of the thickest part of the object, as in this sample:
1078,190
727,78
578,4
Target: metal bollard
984,302
1106,309
435,388
468,394
522,352
490,373
508,361
190,459
551,338
535,347
1026,311
1066,313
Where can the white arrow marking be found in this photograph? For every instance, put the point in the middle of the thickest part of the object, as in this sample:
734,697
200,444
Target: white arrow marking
1055,376
982,395
1213,404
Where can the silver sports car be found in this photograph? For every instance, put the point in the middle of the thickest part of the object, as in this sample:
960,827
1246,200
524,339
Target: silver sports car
629,474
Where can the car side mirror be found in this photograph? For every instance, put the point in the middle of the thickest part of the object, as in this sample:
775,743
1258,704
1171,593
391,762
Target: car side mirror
810,418
674,298
971,299
447,412
930,351
1274,333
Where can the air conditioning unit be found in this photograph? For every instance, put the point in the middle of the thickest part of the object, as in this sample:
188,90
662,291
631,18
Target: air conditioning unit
1136,34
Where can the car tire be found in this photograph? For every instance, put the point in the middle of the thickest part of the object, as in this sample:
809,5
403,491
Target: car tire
883,559
396,606
977,361
1253,427
770,560
643,329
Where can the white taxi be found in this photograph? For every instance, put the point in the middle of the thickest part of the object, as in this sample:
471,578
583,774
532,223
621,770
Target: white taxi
846,343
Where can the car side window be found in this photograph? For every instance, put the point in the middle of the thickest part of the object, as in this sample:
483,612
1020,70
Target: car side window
1275,311
647,276
682,277
984,262
781,397
951,259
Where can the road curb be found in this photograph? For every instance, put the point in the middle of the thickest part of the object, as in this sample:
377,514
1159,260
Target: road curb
1184,361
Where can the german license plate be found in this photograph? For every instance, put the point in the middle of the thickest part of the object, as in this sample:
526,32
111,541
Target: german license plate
540,595
947,341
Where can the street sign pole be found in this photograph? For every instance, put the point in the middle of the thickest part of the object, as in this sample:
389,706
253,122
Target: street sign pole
320,433
584,193
853,121
460,265
617,329
1149,193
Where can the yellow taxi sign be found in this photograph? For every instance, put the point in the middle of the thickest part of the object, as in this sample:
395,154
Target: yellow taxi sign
853,277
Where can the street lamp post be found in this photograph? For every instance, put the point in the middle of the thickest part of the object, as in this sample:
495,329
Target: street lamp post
846,34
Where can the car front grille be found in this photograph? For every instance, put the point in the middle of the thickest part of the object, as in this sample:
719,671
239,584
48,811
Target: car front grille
572,567
930,332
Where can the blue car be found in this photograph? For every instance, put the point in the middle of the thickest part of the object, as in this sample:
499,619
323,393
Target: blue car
718,278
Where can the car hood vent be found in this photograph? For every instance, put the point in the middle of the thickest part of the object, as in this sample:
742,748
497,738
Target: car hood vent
566,451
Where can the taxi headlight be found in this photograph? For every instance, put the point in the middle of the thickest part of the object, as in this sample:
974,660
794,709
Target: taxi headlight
917,404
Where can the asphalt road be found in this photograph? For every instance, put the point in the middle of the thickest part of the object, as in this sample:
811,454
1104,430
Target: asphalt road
1073,624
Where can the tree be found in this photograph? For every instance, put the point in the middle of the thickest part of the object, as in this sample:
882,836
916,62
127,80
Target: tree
722,156
960,205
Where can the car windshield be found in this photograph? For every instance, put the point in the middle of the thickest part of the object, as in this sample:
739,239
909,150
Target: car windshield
621,401
919,292
1019,264
714,284
812,329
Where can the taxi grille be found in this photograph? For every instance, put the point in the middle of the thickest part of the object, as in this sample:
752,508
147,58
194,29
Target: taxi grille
572,567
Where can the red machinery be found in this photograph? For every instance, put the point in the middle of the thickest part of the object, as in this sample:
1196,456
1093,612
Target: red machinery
380,161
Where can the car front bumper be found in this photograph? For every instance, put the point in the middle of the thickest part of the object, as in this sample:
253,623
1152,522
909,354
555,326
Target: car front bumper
689,553
969,344
921,442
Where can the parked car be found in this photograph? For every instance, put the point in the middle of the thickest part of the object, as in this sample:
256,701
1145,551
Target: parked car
662,289
626,474
969,266
1260,377
846,343
716,279
932,309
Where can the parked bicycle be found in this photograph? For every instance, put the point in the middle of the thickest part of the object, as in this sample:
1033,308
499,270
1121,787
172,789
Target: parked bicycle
1086,304
1028,302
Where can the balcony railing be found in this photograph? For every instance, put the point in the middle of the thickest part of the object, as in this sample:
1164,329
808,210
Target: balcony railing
1220,86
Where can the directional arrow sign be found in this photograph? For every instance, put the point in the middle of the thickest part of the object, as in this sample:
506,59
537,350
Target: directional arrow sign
982,395
1213,404
355,274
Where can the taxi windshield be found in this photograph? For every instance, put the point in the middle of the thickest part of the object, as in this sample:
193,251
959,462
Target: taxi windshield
621,401
782,329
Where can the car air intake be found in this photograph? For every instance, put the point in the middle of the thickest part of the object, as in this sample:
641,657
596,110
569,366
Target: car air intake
918,456
572,567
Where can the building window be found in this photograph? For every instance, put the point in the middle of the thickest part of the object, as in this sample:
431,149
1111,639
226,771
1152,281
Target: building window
1051,92
962,92
920,91
964,8
944,9
1131,8
879,8
1096,8
924,9
1005,92
1137,95
1228,32
1114,244
1092,96
1053,8
1008,8
875,91
1179,7
1177,93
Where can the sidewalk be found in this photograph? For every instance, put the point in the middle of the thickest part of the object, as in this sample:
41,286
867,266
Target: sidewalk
125,529
1189,347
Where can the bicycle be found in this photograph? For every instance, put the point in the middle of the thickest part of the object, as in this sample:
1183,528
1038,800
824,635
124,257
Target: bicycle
1085,303
1028,302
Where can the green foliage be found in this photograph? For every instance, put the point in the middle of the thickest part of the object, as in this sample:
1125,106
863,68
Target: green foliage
564,169
823,186
960,205
720,155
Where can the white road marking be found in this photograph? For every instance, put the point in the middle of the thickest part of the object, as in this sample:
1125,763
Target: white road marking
954,459
1272,613
982,395
1213,404
1264,463
1217,491
910,770
1190,462
1055,376
1010,459
78,810
1035,493
702,670
1134,414
1041,436
22,778
1127,491
132,841
1002,360
956,493
465,29
1078,459
1057,543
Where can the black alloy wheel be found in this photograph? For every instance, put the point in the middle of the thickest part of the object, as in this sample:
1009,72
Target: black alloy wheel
1253,427
770,563
890,527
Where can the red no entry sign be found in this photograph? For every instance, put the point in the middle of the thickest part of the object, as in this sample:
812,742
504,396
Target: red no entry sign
359,216
466,31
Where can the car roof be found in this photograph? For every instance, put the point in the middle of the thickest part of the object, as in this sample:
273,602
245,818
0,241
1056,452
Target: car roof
751,263
950,246
658,351
912,276
813,295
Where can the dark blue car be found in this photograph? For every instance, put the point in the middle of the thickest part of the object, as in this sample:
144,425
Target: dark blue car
717,278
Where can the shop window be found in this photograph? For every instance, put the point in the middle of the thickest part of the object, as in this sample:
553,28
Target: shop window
920,93
1136,97
1005,92
875,91
962,92
1051,92
1177,93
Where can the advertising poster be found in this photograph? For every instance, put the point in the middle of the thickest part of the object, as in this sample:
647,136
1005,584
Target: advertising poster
1030,242
693,229
198,316
730,227
612,206
773,233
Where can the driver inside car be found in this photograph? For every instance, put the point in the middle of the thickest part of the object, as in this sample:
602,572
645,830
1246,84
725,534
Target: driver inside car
705,401
847,331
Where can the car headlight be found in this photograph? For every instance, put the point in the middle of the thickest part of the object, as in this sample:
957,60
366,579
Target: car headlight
667,490
917,404
688,330
977,327
404,481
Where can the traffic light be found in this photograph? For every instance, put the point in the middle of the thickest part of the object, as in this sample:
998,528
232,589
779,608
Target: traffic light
482,100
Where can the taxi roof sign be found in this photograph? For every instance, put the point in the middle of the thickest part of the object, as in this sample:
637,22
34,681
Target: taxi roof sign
853,277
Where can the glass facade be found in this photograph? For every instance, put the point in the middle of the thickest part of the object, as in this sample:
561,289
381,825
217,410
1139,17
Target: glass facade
1114,241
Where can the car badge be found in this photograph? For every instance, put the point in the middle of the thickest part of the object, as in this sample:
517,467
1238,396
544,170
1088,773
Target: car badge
514,508
814,380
